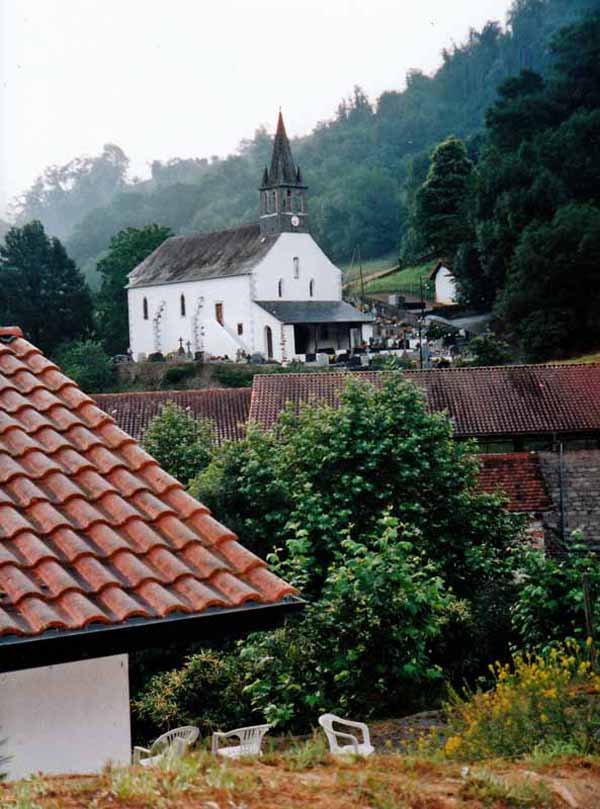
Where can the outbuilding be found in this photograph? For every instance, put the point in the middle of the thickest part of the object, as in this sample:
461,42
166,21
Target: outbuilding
101,553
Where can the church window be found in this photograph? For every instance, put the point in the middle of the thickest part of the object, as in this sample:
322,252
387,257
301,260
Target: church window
288,195
145,308
274,202
240,328
311,288
296,261
280,288
265,202
219,313
182,305
299,203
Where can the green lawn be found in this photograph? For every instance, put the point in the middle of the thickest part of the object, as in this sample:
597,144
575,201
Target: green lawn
351,271
405,281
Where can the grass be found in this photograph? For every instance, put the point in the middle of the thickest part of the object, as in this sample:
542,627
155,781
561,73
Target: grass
372,265
306,776
404,281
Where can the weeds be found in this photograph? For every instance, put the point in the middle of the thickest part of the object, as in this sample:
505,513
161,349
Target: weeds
542,702
489,789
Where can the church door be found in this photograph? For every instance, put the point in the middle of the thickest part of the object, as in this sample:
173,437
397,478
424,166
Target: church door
268,342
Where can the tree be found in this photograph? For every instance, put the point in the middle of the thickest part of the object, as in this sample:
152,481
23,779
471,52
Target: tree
62,195
88,364
551,301
182,444
329,471
127,249
370,509
41,289
442,202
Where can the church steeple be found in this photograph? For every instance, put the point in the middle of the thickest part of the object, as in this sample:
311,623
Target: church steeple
282,191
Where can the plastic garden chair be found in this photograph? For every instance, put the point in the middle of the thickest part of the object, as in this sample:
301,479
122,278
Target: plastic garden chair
250,739
352,745
173,744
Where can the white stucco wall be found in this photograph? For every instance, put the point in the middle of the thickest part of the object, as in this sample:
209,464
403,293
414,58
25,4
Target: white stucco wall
237,294
313,263
445,286
200,300
69,718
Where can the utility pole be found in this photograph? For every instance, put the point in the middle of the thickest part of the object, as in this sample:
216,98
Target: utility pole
362,283
421,324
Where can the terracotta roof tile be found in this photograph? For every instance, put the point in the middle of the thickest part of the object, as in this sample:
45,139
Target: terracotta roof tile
227,408
519,477
92,531
510,400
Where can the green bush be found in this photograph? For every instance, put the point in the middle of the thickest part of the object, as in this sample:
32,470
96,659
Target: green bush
88,364
549,605
207,691
364,647
540,702
176,374
182,444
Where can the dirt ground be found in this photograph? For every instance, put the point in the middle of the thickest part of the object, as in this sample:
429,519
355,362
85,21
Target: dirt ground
380,782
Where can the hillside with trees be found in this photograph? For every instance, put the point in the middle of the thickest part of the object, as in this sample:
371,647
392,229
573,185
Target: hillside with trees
364,165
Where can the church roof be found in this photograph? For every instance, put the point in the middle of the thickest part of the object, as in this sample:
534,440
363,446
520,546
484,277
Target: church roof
203,255
282,171
314,312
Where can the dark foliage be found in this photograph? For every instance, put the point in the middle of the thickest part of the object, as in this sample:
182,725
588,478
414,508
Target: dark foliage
41,289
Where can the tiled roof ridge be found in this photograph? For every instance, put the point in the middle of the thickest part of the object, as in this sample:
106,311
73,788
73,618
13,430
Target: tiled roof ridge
151,393
91,528
200,233
455,370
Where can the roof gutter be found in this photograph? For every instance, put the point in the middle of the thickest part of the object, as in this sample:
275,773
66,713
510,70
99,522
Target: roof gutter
97,640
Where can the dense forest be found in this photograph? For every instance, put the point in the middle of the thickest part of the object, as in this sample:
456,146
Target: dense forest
363,165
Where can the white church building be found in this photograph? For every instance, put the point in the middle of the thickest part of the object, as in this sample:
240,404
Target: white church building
265,288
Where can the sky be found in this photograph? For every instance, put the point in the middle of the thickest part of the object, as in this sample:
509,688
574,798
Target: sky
192,78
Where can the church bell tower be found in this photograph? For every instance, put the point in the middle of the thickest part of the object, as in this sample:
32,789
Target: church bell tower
283,207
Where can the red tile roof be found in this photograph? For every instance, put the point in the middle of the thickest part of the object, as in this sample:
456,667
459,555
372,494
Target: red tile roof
510,400
92,530
228,408
518,476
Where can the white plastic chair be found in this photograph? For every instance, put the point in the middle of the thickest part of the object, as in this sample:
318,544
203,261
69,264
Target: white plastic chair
173,744
250,741
352,745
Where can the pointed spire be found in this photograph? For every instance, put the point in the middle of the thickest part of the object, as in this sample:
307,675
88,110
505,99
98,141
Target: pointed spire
265,177
298,176
282,169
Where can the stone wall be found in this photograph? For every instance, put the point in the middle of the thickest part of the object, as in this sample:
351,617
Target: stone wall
581,487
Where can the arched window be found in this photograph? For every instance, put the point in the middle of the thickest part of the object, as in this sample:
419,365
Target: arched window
299,203
280,288
265,202
145,308
274,202
296,262
311,288
182,305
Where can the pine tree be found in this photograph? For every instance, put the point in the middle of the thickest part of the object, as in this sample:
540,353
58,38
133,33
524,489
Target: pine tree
442,203
41,288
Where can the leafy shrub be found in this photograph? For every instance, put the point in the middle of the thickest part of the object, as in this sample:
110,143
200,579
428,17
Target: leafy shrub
207,691
176,374
539,701
156,356
182,444
549,605
364,647
88,364
489,350
234,376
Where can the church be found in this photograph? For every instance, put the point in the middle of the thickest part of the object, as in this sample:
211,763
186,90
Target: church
265,288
